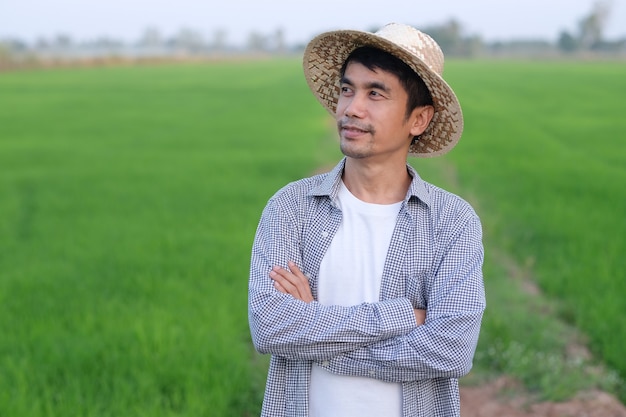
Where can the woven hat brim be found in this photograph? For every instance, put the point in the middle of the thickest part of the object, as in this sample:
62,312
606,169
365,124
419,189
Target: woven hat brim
322,62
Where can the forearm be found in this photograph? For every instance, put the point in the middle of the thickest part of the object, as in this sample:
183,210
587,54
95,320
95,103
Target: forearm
442,349
290,328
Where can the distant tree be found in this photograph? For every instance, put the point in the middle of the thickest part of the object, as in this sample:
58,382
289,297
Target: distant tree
63,41
5,53
592,26
41,44
473,46
14,45
257,42
567,42
448,36
279,40
189,40
218,42
452,40
151,38
106,44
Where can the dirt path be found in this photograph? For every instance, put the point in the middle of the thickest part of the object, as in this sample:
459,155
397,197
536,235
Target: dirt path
504,398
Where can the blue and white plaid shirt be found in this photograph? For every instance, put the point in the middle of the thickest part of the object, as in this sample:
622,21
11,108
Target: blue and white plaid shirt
434,262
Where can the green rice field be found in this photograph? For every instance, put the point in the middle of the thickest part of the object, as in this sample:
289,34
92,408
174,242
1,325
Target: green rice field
129,197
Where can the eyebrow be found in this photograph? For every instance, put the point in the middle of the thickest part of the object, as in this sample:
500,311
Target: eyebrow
374,85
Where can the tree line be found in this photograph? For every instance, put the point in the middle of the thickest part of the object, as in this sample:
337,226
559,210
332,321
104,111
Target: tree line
587,39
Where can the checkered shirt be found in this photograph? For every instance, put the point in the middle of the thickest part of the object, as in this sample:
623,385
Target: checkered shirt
434,262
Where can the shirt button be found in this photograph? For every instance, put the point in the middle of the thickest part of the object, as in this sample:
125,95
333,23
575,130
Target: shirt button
325,363
324,234
372,372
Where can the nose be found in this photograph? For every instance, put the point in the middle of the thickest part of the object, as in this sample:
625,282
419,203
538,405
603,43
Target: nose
352,106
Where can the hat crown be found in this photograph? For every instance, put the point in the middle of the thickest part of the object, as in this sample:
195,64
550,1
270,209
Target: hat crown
416,42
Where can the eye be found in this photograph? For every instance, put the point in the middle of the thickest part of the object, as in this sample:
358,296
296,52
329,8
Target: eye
345,90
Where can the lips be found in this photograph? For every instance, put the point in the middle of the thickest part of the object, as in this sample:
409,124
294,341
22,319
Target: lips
353,129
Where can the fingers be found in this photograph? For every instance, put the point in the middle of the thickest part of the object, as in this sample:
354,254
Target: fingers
296,271
280,287
292,282
284,281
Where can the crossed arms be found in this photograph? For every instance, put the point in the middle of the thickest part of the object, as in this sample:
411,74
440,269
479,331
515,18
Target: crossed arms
392,339
293,282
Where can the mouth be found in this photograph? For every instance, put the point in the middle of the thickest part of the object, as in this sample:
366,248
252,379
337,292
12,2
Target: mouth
352,130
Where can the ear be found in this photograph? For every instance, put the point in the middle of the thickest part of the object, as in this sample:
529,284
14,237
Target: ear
420,118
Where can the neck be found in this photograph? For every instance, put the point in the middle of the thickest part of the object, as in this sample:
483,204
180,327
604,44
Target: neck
376,183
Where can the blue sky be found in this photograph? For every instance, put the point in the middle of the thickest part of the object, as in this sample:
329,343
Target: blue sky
299,20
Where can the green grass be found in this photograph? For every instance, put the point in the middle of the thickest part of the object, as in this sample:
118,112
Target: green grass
129,198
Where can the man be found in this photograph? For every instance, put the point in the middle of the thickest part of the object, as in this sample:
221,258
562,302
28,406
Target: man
366,282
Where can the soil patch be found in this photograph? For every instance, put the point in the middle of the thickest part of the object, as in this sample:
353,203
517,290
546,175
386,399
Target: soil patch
504,397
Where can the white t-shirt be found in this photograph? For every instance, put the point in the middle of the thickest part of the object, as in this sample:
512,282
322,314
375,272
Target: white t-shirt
351,274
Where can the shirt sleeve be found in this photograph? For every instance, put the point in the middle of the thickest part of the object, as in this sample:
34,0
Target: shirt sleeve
444,346
290,328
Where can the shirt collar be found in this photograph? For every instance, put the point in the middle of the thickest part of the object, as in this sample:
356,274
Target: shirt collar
332,180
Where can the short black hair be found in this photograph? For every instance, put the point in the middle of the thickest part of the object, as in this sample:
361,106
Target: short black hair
374,58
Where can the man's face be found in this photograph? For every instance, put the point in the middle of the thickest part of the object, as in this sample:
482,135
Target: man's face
371,114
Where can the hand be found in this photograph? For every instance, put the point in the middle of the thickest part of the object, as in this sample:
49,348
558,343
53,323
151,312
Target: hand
292,282
420,316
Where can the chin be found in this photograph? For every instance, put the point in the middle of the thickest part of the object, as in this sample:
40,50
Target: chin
350,152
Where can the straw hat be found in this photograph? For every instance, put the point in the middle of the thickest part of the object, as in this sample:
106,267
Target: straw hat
326,53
